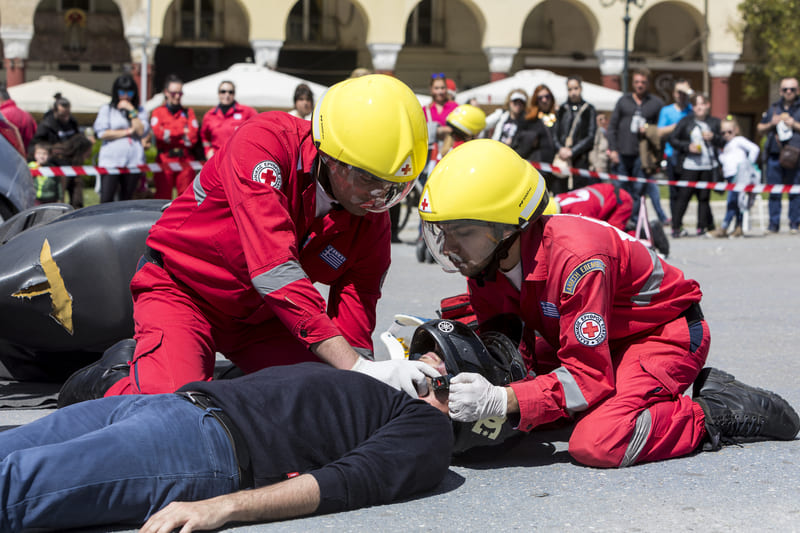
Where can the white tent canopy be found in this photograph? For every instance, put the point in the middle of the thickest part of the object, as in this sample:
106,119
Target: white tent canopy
602,98
37,96
256,86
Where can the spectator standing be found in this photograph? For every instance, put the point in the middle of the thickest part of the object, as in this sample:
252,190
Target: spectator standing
628,126
58,124
696,139
781,123
668,118
303,102
440,107
121,125
74,151
538,135
48,188
18,117
220,123
738,160
175,129
575,127
506,124
598,156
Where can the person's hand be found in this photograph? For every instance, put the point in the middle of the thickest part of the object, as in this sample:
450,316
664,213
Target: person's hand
124,105
188,516
408,376
473,398
613,156
775,119
695,148
789,120
564,153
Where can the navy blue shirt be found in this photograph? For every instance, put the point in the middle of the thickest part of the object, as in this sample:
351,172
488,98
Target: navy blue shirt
364,442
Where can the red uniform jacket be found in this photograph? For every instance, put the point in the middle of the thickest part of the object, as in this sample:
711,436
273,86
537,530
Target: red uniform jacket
587,288
176,132
245,240
218,127
600,201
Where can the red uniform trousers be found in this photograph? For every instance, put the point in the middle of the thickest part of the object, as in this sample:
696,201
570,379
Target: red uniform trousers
168,179
651,374
177,338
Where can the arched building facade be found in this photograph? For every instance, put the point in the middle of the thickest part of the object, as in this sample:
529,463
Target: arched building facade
92,41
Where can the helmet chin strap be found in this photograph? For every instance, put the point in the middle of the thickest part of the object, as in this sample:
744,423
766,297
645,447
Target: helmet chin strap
500,253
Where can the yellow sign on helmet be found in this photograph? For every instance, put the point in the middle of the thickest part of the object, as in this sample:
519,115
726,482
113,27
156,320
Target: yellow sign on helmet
483,180
373,123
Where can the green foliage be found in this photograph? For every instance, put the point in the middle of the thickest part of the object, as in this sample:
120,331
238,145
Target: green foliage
774,27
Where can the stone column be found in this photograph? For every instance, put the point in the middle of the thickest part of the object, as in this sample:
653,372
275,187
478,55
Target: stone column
384,57
611,63
720,68
500,60
266,52
137,46
16,43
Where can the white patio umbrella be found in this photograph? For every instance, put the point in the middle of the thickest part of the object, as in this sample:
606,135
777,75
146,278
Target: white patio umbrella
494,93
256,86
37,96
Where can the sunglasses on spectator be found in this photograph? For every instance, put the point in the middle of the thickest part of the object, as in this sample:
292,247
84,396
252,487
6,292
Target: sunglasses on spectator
438,76
129,94
544,97
227,91
518,101
788,89
727,132
175,93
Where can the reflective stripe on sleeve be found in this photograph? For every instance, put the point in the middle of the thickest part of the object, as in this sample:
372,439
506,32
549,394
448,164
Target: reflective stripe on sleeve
572,393
652,286
599,195
279,277
199,193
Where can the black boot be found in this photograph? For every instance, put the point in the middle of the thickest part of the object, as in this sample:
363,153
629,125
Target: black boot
735,411
93,381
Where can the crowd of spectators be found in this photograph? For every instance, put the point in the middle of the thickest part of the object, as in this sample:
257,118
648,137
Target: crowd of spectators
643,137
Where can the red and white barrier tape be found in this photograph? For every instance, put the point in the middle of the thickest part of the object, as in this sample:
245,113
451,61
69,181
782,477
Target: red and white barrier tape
196,165
716,186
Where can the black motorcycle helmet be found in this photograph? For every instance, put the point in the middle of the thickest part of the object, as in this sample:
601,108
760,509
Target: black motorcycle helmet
492,355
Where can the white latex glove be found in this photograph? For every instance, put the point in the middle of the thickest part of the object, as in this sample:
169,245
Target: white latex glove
473,398
402,374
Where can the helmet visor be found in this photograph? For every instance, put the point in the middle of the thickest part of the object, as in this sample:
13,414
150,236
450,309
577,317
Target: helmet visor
464,246
363,189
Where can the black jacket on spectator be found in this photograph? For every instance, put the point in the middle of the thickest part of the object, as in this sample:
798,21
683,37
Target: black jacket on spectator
52,131
680,137
583,136
620,138
534,142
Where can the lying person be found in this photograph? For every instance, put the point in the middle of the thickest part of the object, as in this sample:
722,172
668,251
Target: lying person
282,442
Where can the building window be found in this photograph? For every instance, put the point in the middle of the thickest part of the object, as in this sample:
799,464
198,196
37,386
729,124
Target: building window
426,24
309,22
196,21
75,4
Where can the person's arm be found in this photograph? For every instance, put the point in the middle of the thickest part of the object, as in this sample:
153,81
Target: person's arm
679,138
206,135
769,122
751,149
298,496
192,127
612,131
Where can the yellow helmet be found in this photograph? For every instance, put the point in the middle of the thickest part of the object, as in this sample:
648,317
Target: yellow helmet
483,180
467,119
553,207
476,200
375,124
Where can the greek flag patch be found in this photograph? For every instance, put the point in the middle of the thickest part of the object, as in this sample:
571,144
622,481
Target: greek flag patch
333,257
550,309
581,270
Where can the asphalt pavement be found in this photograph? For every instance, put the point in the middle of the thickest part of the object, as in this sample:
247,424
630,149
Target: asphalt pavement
751,297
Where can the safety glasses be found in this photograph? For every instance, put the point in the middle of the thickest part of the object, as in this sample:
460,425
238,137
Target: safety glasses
363,189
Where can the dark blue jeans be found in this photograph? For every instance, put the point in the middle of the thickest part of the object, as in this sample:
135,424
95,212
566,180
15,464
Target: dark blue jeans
114,460
631,165
777,175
